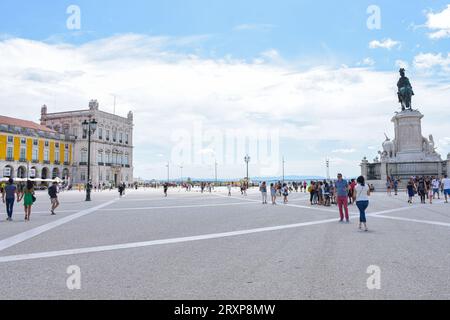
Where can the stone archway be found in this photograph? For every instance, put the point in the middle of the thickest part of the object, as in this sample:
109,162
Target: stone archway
65,174
8,172
45,173
36,172
22,172
55,173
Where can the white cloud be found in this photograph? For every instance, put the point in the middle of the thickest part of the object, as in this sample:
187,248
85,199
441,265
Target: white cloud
344,151
315,109
439,23
366,62
427,61
402,64
384,44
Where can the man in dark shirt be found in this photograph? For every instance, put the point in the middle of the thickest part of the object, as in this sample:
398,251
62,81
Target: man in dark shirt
9,195
53,193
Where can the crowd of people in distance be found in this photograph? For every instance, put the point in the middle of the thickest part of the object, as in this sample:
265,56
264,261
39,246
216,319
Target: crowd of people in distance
427,188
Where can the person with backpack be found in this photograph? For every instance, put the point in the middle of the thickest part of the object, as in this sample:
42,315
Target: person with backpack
411,190
53,193
422,190
285,191
361,194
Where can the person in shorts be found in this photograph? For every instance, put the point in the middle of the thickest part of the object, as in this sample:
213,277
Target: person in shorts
446,187
53,193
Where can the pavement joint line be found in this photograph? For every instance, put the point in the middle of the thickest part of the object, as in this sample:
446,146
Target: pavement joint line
21,237
52,254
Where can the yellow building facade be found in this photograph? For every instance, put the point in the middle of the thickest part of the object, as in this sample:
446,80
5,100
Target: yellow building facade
30,150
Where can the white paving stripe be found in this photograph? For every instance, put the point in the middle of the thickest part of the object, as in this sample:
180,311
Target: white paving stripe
51,254
21,237
437,223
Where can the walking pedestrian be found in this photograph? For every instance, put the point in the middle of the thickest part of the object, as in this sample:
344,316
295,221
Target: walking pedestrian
229,189
446,187
53,193
263,189
410,189
342,192
422,190
28,199
285,193
9,194
273,193
166,186
361,195
435,183
388,186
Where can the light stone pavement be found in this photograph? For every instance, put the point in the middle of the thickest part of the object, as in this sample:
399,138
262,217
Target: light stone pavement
211,246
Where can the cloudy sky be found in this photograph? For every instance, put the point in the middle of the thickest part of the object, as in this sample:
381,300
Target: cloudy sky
213,80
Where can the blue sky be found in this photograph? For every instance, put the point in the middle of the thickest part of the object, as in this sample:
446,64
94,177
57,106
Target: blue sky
258,39
331,31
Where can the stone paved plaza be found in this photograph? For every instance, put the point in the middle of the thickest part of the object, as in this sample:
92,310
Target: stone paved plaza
211,246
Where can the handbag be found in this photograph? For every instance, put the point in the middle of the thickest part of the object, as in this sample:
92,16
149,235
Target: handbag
33,198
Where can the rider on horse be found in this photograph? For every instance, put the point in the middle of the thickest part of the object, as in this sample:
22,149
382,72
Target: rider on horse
405,90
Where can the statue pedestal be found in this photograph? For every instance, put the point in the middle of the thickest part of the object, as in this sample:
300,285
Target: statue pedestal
409,154
410,145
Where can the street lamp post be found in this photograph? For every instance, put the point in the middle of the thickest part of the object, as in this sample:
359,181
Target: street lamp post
215,172
283,169
168,172
327,162
89,127
247,160
181,178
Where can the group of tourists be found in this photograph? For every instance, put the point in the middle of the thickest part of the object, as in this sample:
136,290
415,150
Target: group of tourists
12,193
340,192
275,189
427,188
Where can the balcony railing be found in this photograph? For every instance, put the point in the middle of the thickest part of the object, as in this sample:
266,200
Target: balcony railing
82,163
127,166
56,162
35,161
101,163
66,163
108,164
9,158
46,161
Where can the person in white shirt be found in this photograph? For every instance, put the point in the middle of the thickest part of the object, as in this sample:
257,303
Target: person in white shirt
229,189
361,195
446,187
435,185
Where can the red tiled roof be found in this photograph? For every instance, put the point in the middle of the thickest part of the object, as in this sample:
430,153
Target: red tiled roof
23,123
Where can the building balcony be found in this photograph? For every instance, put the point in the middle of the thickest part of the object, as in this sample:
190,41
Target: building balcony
66,163
82,163
9,158
101,163
108,164
46,161
127,166
57,162
35,161
23,160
